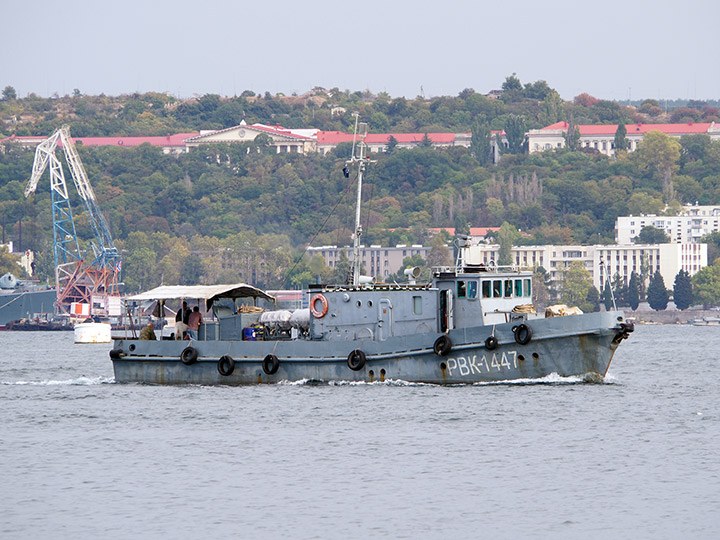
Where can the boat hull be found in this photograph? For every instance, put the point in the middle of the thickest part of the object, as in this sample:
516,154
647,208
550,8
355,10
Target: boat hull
580,345
92,332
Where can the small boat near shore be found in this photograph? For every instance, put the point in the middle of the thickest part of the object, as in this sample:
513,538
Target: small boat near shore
92,332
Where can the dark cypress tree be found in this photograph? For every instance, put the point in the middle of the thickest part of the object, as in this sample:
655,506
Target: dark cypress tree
633,294
682,290
607,297
620,290
621,142
657,294
593,298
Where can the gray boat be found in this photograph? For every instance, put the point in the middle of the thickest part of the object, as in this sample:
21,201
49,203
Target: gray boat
24,299
472,323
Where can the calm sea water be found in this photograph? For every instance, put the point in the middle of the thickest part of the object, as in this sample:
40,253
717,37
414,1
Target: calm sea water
635,457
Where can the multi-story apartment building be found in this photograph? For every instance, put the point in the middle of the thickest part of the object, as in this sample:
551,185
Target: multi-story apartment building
602,261
379,262
690,225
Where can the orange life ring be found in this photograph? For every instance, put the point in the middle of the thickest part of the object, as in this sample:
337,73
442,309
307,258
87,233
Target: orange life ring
319,314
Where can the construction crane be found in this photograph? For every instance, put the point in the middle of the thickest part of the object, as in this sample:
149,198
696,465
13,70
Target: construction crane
86,278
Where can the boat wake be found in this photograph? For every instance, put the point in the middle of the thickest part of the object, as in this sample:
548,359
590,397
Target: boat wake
80,381
551,379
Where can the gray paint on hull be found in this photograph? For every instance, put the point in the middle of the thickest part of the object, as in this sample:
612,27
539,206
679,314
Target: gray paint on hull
568,346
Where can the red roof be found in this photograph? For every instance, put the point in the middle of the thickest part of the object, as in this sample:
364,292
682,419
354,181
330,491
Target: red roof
169,140
337,137
610,129
279,130
474,231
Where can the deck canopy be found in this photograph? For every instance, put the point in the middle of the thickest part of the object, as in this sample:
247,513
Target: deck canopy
209,293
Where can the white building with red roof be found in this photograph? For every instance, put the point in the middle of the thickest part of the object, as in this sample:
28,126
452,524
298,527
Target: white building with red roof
378,142
602,137
299,141
170,144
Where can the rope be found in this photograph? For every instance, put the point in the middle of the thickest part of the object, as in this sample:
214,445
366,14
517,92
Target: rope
11,301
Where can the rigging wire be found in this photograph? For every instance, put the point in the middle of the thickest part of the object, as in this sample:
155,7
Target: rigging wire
320,229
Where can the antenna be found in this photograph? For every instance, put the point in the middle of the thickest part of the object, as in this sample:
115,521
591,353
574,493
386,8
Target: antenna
361,130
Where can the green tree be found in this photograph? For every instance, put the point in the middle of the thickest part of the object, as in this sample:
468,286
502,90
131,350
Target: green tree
658,155
343,269
576,286
651,235
713,243
620,290
439,254
607,297
507,236
621,142
542,288
9,93
515,129
572,136
9,262
682,290
512,82
593,299
552,109
391,144
426,142
481,143
706,285
633,294
657,294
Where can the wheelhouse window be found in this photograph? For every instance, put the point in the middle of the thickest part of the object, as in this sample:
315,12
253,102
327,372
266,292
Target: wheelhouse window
518,287
461,289
497,288
486,291
528,287
417,305
508,288
472,290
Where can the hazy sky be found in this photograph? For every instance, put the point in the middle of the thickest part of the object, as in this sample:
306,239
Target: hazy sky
612,49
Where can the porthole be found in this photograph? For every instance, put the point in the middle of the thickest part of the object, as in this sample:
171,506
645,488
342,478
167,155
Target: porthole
521,357
535,356
369,303
358,303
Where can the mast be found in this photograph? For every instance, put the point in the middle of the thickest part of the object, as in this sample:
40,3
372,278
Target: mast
361,159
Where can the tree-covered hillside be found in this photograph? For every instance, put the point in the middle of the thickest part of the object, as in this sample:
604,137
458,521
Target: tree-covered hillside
223,212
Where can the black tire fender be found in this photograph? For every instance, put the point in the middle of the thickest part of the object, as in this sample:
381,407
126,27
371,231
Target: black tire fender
270,364
356,360
226,365
189,356
442,345
523,334
491,343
